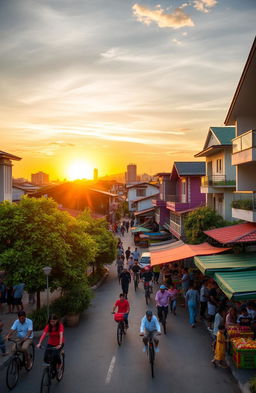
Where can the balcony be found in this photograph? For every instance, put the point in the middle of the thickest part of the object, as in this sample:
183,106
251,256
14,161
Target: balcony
244,148
244,206
217,181
174,203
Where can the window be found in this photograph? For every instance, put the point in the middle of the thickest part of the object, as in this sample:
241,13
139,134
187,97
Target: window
219,165
140,192
183,187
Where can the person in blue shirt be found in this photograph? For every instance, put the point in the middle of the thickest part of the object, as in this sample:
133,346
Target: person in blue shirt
24,330
150,327
18,290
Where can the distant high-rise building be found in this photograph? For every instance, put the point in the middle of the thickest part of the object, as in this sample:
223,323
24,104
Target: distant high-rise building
131,173
95,174
40,178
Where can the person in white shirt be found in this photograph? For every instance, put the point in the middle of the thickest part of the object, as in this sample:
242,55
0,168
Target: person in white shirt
150,327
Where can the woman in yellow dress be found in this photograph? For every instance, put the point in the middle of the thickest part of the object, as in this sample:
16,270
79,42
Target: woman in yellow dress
220,348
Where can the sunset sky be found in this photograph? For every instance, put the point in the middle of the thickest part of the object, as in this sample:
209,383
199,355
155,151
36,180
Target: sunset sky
117,81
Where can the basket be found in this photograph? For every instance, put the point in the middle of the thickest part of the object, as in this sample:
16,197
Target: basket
118,317
244,358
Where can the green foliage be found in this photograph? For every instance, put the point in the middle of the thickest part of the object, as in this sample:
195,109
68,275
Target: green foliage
200,220
39,318
104,239
34,234
74,301
244,204
122,210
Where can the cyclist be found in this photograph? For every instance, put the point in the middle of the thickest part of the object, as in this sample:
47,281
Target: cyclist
123,307
136,269
55,331
162,301
24,328
150,326
125,279
119,265
147,277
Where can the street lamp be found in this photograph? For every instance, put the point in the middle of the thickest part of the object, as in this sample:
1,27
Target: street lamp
47,271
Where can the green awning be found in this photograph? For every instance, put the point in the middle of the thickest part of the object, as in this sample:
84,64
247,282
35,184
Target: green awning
211,264
239,285
140,229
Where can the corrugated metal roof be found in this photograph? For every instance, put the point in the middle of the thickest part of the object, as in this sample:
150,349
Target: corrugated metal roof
187,168
234,234
224,134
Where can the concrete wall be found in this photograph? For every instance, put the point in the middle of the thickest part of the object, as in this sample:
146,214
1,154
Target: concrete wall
132,196
146,204
244,124
17,194
246,177
230,170
5,180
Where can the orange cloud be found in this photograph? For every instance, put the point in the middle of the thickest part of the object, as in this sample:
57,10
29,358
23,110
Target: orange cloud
203,5
175,20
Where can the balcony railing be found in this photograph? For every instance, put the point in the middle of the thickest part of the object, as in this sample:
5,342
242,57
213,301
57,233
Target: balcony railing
244,201
244,141
217,181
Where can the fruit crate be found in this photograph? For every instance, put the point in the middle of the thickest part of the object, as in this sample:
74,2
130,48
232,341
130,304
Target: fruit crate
243,358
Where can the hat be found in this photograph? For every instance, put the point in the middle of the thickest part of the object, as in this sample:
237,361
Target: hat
149,313
162,287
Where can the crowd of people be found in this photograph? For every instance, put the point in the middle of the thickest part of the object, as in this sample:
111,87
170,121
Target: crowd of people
11,295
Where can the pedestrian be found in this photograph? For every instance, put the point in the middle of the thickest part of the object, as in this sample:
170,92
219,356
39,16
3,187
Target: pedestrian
204,295
244,318
9,298
185,281
125,279
2,343
119,266
128,253
173,299
122,230
231,317
192,302
2,293
212,304
127,224
18,290
130,263
132,223
220,348
136,254
156,272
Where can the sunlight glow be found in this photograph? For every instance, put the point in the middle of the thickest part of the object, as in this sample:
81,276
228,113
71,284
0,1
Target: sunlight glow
80,170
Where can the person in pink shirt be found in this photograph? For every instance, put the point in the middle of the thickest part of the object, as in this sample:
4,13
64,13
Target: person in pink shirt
162,301
173,298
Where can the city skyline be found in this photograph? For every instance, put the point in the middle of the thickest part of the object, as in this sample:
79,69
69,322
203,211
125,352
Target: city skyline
107,84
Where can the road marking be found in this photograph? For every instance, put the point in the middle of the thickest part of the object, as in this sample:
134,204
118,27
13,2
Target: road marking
110,370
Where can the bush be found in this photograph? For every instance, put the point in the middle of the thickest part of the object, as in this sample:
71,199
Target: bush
244,204
74,301
39,318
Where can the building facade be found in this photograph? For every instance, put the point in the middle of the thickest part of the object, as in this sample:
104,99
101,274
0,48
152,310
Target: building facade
40,178
6,175
219,182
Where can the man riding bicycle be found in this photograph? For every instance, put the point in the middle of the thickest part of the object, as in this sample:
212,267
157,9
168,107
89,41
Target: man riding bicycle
150,327
123,307
136,269
147,277
162,301
24,328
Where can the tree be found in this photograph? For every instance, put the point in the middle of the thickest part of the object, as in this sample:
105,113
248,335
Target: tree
105,240
199,220
34,234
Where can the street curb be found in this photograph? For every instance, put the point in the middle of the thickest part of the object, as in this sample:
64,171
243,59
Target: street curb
96,286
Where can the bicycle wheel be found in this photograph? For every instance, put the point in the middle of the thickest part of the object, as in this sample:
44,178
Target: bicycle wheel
119,333
12,373
151,358
60,372
31,354
135,284
45,381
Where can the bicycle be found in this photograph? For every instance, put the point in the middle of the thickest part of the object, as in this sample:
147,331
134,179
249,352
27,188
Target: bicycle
50,371
17,362
136,279
151,353
148,291
120,332
162,314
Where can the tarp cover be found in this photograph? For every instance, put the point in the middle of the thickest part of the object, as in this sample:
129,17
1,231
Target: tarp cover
211,264
140,229
237,285
182,252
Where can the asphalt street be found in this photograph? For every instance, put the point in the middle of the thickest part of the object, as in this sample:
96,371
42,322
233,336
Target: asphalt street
95,363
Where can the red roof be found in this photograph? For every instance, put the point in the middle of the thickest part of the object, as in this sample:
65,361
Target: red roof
234,234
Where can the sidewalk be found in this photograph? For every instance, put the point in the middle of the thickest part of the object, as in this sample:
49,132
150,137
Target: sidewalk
8,319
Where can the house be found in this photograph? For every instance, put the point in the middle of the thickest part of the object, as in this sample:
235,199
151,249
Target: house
162,214
20,189
242,115
140,191
219,182
185,194
6,175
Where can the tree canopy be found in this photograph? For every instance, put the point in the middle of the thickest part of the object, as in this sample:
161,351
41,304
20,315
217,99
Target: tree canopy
199,220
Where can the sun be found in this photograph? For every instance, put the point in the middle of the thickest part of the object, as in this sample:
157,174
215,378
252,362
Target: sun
80,170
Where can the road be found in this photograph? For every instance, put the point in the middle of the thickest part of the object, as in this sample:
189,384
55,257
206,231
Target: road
95,363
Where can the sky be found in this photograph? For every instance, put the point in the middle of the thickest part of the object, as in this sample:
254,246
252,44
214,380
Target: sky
112,82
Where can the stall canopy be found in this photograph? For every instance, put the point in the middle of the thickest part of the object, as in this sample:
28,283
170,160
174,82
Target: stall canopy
209,265
239,285
140,229
182,252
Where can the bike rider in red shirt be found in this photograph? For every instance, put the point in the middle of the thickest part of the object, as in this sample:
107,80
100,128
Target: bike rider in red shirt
123,307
